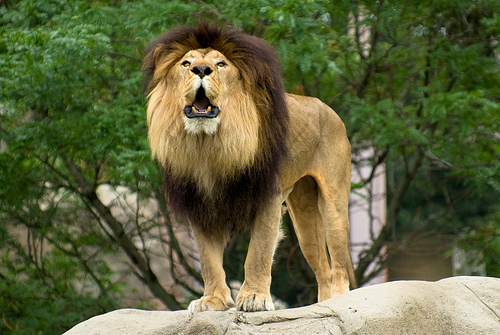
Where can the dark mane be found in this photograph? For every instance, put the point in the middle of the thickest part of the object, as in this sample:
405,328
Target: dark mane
238,199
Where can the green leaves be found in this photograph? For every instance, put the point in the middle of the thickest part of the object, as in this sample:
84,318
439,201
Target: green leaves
70,98
486,239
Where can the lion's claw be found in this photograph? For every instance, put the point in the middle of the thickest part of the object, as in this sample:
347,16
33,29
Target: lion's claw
254,301
209,303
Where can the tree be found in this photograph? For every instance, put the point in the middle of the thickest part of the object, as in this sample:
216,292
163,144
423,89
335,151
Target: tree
424,93
73,123
416,83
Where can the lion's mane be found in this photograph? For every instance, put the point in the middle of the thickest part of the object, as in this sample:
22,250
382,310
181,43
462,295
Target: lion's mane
219,182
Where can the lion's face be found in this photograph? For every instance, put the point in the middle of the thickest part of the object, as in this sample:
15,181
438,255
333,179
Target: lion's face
216,108
202,121
206,79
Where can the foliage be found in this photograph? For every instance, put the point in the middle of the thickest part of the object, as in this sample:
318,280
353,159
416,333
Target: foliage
485,237
417,83
72,123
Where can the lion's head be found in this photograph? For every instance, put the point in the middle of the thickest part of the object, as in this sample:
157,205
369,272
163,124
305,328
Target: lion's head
216,112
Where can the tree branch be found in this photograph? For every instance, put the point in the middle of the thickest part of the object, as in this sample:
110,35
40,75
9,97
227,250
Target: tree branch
87,192
373,252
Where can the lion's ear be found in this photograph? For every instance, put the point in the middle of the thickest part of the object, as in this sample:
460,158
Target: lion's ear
157,52
149,66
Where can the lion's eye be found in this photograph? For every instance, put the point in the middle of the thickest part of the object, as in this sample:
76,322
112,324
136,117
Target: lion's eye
186,63
221,63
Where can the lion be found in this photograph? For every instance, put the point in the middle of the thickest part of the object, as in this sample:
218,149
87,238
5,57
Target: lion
234,147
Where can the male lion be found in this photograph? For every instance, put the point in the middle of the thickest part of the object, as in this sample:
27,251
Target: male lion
234,146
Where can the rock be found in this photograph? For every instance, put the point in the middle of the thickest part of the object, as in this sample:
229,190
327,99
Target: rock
457,305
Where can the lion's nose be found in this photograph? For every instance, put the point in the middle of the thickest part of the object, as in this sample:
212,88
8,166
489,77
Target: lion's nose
202,70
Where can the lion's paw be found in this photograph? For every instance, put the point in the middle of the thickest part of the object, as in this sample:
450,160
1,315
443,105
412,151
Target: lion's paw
254,301
209,303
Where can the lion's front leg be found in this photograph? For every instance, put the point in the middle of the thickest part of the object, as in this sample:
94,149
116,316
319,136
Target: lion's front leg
216,295
255,293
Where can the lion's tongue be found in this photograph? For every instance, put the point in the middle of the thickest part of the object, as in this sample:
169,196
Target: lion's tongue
201,101
202,104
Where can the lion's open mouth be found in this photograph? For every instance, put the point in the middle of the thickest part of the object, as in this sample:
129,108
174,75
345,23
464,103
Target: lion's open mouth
201,107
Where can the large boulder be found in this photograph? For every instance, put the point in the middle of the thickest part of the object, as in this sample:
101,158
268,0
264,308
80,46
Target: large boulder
458,305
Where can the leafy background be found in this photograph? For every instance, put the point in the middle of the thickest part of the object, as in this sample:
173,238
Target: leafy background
417,84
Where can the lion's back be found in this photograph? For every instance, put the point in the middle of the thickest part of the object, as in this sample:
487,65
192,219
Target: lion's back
311,116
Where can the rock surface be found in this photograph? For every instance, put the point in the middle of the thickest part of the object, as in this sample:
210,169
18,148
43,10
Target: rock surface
458,305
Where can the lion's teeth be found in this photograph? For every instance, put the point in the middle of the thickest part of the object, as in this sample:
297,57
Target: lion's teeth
209,108
194,109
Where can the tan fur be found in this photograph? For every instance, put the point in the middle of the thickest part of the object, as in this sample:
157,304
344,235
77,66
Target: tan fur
203,157
314,179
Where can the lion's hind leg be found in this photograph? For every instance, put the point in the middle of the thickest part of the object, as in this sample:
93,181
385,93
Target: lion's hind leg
307,221
333,201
